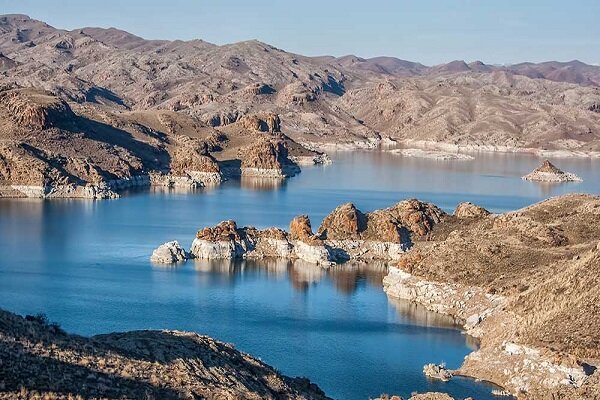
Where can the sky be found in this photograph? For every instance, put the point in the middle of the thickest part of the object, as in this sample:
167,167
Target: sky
427,31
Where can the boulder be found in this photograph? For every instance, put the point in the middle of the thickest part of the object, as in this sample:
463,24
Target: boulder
343,223
470,210
436,371
169,253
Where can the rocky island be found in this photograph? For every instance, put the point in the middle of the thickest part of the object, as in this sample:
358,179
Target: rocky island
548,172
345,234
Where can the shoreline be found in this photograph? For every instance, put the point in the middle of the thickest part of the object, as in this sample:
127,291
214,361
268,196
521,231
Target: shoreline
387,143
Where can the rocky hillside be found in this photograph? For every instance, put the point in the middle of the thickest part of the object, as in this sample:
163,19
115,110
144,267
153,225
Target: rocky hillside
251,88
525,283
39,360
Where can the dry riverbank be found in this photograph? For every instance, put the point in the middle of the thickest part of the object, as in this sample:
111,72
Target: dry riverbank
525,284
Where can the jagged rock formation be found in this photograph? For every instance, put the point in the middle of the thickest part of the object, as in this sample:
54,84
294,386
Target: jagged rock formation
194,161
169,253
262,123
39,360
470,210
227,241
524,283
267,159
345,234
548,172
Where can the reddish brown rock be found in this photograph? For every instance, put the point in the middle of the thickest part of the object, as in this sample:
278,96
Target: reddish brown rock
223,231
343,223
300,229
418,217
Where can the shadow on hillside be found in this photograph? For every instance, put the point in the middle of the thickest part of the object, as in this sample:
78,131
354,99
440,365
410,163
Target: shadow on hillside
152,157
26,373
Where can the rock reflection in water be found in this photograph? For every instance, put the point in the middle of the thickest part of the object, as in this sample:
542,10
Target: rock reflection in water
421,315
347,278
303,274
261,184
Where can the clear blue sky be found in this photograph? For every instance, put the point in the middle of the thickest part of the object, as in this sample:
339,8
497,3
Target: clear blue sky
428,31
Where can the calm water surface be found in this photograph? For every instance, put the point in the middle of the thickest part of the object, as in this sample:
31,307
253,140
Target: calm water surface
85,264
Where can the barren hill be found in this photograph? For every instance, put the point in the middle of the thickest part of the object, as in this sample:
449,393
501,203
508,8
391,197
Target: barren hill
141,97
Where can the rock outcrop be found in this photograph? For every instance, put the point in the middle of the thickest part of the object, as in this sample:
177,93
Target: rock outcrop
35,109
40,361
437,371
267,159
470,210
345,234
169,253
522,282
269,123
226,241
548,172
193,161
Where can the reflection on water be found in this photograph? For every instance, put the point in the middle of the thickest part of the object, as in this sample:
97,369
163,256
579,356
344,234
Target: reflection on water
261,184
421,315
301,274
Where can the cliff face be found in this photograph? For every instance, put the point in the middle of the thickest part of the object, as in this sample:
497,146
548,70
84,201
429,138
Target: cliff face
267,158
524,282
39,360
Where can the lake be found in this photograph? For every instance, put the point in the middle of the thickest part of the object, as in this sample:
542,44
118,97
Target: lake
86,265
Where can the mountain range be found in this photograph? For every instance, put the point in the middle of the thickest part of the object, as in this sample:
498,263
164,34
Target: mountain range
120,104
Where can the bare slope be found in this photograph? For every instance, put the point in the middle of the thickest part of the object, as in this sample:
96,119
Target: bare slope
39,360
347,101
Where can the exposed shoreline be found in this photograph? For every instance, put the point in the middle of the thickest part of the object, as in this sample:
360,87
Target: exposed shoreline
450,148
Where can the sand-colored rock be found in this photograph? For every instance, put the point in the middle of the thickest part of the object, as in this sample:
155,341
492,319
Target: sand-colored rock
470,210
267,158
169,253
548,172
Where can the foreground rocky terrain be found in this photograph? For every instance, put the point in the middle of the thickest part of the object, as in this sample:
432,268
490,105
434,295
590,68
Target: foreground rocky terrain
92,111
39,360
525,283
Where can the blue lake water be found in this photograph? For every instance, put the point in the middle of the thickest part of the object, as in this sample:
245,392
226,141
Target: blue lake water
86,265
